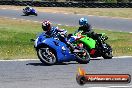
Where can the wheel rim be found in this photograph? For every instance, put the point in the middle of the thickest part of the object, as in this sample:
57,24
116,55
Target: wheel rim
47,55
109,53
83,54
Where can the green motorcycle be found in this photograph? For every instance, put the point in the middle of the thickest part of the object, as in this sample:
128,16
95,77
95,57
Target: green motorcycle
93,47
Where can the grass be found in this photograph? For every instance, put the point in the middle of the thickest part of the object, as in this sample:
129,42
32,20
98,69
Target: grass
111,12
16,34
15,38
121,42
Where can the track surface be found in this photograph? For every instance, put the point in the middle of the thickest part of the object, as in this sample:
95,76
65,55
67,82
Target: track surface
33,74
116,24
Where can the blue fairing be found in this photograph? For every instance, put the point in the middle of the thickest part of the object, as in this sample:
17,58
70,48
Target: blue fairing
33,11
62,51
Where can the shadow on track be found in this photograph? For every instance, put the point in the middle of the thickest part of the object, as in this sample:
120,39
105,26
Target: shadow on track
64,63
96,59
28,15
23,15
41,64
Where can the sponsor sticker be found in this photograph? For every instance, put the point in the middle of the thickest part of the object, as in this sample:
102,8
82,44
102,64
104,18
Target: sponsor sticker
83,78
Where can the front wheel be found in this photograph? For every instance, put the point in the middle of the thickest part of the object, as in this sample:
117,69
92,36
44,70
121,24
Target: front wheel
108,52
36,14
83,57
46,56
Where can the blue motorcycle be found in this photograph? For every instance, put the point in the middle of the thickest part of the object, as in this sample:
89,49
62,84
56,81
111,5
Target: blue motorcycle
28,12
50,50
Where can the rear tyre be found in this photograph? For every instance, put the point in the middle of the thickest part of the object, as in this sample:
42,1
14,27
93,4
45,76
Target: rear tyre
46,56
26,14
83,57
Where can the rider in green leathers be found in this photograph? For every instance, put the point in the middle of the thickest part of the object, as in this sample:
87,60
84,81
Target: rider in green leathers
87,29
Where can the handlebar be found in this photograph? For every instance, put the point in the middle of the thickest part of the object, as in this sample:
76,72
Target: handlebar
32,40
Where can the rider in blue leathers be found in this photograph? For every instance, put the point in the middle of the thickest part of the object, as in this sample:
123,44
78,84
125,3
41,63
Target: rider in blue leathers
52,31
56,32
28,9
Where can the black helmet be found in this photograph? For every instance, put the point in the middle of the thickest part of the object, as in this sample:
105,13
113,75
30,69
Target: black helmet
46,25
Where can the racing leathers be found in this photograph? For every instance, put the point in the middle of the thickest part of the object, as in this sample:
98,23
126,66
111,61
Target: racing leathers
87,29
61,34
27,9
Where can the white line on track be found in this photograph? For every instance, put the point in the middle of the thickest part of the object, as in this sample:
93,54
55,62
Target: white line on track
40,22
8,8
113,87
107,17
120,86
123,57
14,18
84,14
22,19
28,20
97,87
54,12
87,15
81,14
6,17
59,24
65,13
18,60
36,21
3,8
16,9
38,59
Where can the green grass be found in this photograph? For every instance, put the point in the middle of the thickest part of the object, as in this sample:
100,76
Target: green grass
121,42
16,34
110,12
15,38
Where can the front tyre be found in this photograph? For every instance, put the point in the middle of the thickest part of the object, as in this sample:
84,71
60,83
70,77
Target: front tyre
83,57
46,56
108,52
36,14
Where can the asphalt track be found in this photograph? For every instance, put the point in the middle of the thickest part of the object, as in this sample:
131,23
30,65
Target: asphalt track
116,24
33,74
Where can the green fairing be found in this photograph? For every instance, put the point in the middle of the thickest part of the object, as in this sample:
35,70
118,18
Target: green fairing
89,42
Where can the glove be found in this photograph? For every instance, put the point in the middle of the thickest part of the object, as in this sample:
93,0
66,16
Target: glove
63,33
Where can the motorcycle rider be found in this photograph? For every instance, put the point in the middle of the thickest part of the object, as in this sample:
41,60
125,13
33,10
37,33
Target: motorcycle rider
51,30
28,8
87,29
56,32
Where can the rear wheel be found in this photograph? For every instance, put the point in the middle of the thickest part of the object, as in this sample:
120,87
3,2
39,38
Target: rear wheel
83,57
26,14
46,56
